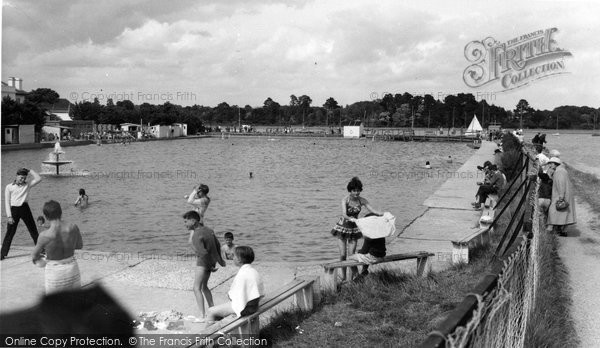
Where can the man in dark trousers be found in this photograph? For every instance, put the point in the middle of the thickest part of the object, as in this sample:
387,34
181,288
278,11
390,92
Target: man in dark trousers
15,200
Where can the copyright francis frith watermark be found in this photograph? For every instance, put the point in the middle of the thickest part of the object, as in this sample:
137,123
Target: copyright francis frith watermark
516,62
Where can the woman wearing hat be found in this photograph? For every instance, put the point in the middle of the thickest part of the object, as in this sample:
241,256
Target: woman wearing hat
15,200
561,190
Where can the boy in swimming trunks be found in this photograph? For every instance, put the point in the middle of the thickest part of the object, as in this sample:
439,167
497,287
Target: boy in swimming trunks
208,252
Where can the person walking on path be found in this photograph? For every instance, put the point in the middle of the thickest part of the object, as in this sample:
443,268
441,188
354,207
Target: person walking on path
59,241
17,208
561,190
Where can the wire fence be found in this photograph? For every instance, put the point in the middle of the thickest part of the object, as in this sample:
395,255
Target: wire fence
502,307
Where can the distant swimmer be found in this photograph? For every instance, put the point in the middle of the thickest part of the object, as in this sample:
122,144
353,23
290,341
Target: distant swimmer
250,175
449,159
82,200
427,165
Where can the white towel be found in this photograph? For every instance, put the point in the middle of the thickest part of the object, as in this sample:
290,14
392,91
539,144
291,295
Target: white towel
247,286
377,226
62,275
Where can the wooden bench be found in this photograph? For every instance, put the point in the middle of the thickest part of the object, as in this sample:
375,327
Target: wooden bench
330,280
306,293
481,236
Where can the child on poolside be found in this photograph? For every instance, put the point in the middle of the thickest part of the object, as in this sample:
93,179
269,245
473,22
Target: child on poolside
246,289
82,200
346,230
227,251
208,252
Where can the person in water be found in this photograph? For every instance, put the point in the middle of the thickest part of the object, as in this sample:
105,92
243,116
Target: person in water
199,199
345,229
82,200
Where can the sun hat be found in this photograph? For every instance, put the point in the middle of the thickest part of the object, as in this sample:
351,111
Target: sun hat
554,153
555,160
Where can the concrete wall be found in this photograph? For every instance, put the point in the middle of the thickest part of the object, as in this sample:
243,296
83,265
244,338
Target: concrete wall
26,134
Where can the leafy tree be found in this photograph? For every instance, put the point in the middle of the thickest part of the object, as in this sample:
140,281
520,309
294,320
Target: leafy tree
388,103
42,95
305,102
22,113
523,111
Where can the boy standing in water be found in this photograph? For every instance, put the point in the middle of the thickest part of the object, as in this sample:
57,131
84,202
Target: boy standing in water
227,251
208,252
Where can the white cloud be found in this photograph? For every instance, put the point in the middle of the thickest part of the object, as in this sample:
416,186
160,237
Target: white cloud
243,53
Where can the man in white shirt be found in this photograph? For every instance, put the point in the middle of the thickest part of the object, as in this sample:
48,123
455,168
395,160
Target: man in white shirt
17,208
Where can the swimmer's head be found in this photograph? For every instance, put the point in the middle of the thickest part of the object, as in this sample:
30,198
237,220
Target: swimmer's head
203,188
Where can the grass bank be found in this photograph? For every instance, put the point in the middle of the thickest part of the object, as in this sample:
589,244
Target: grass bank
587,186
383,309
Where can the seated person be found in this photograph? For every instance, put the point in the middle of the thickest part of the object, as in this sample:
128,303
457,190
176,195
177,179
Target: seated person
245,292
372,251
494,181
486,164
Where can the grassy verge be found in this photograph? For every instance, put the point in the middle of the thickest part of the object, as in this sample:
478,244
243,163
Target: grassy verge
586,186
552,325
383,309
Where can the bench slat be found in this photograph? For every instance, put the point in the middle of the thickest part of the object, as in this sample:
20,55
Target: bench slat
389,258
274,298
472,236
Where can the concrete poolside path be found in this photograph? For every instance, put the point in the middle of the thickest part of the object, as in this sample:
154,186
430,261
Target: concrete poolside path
139,283
449,215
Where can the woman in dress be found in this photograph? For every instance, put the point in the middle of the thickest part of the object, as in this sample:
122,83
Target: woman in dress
346,230
199,199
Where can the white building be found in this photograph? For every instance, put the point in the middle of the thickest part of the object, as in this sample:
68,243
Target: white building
174,131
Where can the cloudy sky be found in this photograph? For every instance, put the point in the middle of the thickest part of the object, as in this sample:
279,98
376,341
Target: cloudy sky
242,52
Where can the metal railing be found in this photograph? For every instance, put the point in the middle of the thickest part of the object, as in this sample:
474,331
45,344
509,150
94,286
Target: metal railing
496,312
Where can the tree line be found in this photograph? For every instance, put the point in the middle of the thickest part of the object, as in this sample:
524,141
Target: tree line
392,110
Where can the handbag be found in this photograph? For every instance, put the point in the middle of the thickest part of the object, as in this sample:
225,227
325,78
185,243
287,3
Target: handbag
561,204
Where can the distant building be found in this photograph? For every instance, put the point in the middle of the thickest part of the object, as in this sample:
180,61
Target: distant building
61,108
56,128
13,89
18,134
132,129
174,131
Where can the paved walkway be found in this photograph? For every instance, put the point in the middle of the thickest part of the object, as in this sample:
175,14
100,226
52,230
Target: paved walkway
154,284
580,252
450,215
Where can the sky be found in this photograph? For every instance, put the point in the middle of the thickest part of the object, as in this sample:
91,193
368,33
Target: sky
243,52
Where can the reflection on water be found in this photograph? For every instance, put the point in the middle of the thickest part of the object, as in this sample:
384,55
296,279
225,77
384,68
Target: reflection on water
285,211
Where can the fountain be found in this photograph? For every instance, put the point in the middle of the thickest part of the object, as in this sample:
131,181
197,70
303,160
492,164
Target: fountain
54,158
